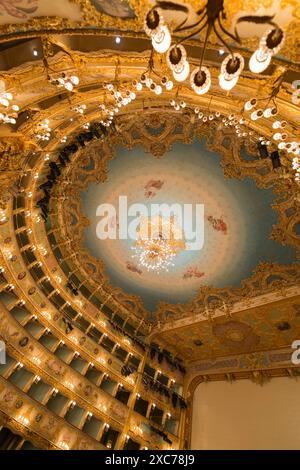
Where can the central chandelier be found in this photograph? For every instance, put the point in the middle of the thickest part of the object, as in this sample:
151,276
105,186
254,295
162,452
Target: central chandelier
158,242
210,19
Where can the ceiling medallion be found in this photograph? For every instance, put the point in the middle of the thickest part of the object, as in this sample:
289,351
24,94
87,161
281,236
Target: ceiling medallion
159,240
210,19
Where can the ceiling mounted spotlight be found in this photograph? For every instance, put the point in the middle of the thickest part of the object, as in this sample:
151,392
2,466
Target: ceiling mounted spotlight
210,19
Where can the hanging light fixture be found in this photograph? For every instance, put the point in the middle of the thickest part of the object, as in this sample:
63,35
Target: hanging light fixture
201,80
210,17
156,29
231,68
270,44
176,60
259,61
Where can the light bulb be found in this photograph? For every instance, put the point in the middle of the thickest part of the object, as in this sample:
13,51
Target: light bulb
74,79
161,41
227,84
158,90
267,112
5,102
169,85
183,74
69,86
259,61
139,86
250,104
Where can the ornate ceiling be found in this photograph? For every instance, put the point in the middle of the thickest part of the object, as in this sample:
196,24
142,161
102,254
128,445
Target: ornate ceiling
233,246
226,295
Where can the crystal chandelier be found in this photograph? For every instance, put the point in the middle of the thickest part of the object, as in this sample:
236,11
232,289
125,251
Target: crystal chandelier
159,241
210,18
155,254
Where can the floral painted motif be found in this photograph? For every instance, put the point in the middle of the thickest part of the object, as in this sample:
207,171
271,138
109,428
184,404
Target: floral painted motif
152,187
133,268
18,8
218,224
192,272
116,8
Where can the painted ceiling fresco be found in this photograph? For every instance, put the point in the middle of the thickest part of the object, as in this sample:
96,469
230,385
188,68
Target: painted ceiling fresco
117,8
238,220
20,11
263,328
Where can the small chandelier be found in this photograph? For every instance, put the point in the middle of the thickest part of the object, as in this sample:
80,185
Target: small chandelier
159,241
210,18
9,111
43,131
69,82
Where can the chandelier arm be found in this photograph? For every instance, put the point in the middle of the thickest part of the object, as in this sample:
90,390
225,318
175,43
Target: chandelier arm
232,36
192,34
223,42
179,28
208,31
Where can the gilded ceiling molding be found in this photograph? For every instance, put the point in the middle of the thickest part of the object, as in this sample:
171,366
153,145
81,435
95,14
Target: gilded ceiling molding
13,152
